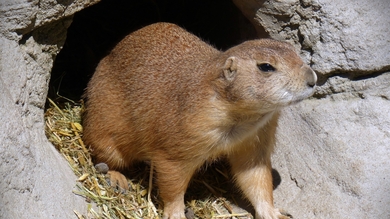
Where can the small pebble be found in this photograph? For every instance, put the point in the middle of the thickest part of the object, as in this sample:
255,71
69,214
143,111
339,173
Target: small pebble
101,168
189,213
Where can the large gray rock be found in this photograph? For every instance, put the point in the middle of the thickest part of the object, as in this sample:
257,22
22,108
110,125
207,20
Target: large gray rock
333,153
36,181
344,36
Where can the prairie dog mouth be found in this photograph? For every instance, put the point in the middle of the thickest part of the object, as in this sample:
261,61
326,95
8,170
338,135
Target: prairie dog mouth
290,98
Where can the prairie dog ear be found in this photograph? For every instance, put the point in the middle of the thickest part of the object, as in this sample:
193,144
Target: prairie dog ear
230,68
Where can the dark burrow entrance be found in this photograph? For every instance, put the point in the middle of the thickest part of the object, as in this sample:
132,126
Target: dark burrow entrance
97,29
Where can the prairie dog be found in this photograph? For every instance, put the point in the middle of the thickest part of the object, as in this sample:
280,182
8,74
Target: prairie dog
165,96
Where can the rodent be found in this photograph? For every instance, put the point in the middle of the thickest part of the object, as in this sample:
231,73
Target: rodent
165,96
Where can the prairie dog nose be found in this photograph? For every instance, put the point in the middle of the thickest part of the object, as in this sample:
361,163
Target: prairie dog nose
310,76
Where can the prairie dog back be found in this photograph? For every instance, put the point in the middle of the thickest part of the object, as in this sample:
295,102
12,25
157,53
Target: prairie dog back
165,96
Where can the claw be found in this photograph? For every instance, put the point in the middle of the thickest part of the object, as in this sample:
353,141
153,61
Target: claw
284,214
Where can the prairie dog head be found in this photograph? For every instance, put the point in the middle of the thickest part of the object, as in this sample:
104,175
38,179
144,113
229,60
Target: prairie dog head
267,74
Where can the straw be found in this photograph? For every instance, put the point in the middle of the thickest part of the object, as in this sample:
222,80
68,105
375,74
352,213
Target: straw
64,131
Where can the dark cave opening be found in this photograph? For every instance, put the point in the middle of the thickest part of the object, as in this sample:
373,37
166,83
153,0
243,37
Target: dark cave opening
97,29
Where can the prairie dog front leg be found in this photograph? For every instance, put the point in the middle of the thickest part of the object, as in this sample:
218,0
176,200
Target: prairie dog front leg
172,180
253,175
251,166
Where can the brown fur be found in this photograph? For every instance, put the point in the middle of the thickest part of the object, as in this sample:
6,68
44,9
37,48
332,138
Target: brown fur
165,96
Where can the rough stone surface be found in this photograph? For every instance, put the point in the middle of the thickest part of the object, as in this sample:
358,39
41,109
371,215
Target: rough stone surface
36,180
333,152
345,36
19,17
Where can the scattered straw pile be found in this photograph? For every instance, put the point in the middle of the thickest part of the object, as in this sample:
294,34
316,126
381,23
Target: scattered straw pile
64,130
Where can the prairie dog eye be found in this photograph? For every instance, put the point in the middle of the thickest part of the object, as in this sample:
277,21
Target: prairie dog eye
266,67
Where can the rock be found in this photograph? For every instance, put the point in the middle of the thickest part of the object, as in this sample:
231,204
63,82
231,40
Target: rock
333,152
349,36
36,181
102,168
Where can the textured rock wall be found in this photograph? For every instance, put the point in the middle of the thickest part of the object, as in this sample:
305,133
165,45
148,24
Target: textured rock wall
36,180
333,155
333,151
347,36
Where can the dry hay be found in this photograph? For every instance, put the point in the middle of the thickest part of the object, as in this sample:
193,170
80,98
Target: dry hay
204,200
